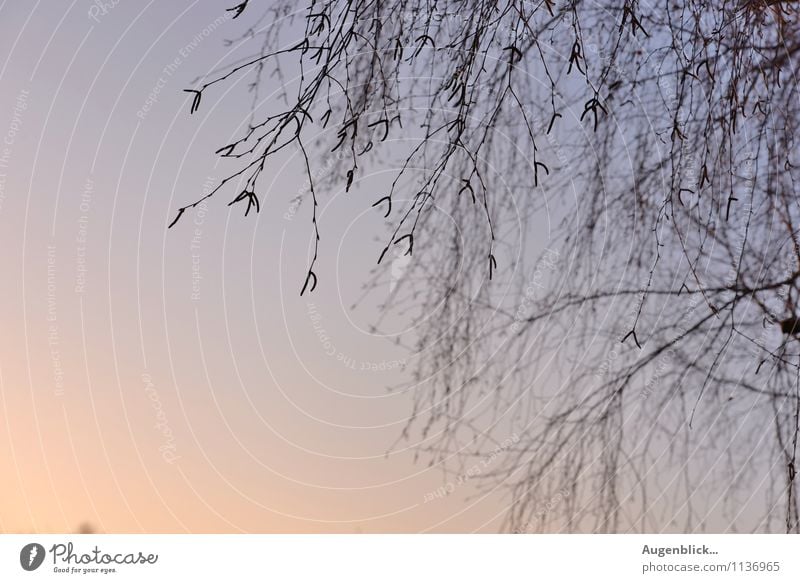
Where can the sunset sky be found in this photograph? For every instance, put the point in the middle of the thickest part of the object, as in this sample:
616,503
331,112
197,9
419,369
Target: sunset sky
171,381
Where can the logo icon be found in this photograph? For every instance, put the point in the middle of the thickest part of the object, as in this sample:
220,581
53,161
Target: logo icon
31,556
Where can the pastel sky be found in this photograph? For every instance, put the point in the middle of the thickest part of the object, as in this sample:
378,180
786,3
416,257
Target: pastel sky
156,380
172,381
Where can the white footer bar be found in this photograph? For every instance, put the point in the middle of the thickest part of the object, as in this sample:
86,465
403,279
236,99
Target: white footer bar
400,558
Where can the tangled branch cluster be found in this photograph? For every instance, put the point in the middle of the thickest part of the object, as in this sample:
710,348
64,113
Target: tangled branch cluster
658,141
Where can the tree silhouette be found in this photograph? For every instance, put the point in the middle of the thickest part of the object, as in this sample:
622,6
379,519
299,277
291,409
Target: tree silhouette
650,148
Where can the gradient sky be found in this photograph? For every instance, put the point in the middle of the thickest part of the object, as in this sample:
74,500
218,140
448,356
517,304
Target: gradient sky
134,394
156,380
